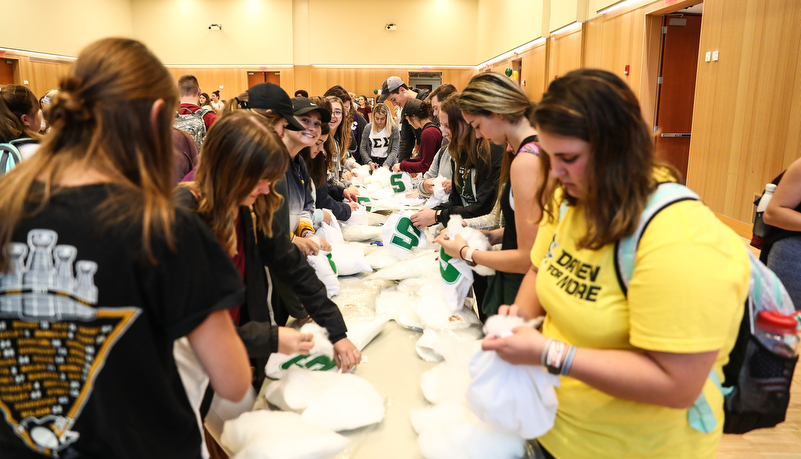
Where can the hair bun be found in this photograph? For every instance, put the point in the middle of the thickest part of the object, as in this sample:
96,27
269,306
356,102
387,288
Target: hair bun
68,107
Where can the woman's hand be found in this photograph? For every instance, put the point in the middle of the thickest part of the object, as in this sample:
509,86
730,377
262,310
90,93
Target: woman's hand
346,354
350,195
447,185
428,185
524,347
396,168
412,194
307,246
373,166
291,341
347,175
326,217
354,206
451,246
324,245
424,218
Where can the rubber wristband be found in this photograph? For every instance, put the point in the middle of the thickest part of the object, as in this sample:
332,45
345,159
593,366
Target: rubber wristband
544,356
460,251
571,352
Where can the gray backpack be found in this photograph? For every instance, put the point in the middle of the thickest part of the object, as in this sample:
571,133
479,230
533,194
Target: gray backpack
192,123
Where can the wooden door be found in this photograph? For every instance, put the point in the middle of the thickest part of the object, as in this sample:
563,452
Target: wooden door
677,90
255,78
6,71
273,77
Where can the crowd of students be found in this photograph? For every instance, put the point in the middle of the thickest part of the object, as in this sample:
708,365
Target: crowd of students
198,241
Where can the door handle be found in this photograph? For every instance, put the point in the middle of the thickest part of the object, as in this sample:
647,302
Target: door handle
675,134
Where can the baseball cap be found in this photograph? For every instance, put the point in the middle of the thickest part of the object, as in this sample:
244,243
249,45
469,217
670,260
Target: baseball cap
303,105
390,84
270,96
413,107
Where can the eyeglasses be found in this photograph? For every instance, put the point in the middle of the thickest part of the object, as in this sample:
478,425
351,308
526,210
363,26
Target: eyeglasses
337,112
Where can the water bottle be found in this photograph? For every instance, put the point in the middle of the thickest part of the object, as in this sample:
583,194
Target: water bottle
778,332
760,229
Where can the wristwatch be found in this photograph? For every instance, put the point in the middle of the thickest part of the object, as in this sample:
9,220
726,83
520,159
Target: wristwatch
436,216
468,256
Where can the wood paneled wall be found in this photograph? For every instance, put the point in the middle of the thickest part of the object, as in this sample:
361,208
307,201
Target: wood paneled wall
234,80
565,53
535,68
747,112
363,81
42,75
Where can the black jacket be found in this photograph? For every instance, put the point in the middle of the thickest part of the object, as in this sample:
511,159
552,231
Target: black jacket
486,190
285,262
409,135
329,196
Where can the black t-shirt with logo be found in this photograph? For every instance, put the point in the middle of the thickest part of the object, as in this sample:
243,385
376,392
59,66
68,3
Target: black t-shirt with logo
87,326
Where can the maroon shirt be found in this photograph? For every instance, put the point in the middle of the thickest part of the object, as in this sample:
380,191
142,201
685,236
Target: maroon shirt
430,141
209,118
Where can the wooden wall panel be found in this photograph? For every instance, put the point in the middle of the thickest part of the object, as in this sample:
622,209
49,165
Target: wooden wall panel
45,75
234,80
363,81
535,69
565,53
746,126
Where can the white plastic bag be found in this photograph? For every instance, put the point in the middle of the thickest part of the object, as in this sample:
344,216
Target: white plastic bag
400,236
361,232
423,264
381,258
439,195
357,217
331,233
326,271
267,434
449,430
473,238
401,182
456,277
320,358
349,259
515,399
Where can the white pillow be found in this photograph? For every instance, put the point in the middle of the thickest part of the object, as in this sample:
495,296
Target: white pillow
349,259
267,434
325,269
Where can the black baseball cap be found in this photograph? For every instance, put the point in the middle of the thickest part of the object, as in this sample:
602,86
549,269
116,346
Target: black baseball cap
303,105
270,96
413,107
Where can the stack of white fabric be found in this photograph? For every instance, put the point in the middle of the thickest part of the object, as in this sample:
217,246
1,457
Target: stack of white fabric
446,428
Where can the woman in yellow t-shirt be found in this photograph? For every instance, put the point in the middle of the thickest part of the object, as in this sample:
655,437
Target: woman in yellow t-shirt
634,361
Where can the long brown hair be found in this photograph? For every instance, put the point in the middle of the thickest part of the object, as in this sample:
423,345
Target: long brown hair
491,92
317,167
463,137
101,118
597,107
343,130
17,100
329,148
240,150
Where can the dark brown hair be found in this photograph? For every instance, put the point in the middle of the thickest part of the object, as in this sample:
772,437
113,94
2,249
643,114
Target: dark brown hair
240,150
318,166
17,100
101,118
188,85
597,107
442,92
